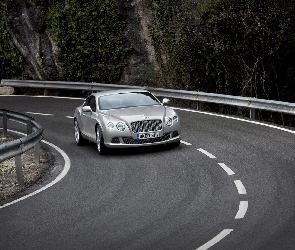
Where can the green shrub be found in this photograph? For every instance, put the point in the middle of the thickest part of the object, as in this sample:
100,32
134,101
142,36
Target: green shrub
89,36
226,46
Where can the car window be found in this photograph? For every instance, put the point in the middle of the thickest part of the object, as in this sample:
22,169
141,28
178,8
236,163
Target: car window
125,100
90,101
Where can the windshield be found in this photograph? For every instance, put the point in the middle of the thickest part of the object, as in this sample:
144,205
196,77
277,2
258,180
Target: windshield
125,100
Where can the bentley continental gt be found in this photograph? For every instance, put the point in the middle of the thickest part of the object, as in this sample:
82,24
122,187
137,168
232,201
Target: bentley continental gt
125,118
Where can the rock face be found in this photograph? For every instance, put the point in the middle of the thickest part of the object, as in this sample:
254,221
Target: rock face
30,37
142,64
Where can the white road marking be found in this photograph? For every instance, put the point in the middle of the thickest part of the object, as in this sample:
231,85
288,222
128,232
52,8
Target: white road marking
70,117
57,179
243,207
216,239
32,113
240,187
206,153
226,169
186,143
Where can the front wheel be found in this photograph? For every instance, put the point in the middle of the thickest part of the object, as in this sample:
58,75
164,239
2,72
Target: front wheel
102,149
78,136
174,144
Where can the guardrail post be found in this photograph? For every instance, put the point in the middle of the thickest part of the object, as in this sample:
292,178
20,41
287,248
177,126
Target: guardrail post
19,170
37,153
29,127
4,124
199,105
252,113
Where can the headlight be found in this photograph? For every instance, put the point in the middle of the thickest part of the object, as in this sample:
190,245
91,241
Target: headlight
121,126
175,118
168,121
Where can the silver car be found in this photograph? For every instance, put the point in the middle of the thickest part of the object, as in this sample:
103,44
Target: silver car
125,118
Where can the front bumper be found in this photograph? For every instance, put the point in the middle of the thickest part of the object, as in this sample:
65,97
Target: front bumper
122,142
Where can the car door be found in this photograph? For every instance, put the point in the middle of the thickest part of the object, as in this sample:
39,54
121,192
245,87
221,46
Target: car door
89,117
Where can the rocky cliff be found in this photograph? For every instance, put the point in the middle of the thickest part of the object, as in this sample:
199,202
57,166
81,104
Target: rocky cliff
142,61
29,35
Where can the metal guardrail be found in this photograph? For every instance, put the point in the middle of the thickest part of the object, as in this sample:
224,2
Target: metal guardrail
245,102
19,146
199,97
63,85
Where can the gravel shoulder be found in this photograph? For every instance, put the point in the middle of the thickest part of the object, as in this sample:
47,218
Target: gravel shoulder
32,172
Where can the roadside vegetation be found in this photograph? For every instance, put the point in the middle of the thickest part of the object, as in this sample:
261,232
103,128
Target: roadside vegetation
243,48
89,38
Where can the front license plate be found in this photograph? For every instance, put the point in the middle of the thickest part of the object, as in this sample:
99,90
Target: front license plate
144,136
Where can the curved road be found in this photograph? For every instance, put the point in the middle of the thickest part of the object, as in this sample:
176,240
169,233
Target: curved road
230,185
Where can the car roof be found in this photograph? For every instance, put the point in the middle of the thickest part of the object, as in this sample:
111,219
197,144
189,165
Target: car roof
118,91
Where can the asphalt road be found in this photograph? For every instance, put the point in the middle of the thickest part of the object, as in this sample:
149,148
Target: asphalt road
230,185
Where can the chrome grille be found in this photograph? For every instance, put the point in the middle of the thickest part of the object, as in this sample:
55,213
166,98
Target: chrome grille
115,140
146,126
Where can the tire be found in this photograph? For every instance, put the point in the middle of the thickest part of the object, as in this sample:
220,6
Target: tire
102,149
78,136
174,144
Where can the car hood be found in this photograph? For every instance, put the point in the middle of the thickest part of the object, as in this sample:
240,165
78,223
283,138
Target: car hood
138,113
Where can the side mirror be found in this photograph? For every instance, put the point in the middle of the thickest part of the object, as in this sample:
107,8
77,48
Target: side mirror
86,109
165,101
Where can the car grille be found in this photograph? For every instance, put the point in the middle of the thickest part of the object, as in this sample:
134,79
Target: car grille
146,126
115,140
